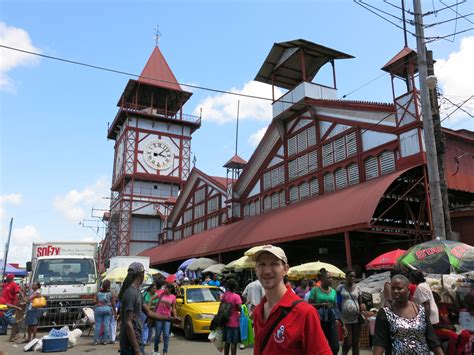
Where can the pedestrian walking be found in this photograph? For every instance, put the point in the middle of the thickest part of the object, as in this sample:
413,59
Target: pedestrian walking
103,314
253,293
350,304
423,296
166,307
283,323
131,306
404,327
324,299
11,293
232,327
32,314
302,288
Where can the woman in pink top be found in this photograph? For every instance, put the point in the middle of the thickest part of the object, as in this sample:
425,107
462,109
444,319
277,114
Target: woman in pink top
166,307
232,329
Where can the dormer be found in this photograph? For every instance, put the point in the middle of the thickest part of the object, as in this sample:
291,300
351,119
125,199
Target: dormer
292,66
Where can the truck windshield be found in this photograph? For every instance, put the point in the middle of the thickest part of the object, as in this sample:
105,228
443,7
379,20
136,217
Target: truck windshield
65,271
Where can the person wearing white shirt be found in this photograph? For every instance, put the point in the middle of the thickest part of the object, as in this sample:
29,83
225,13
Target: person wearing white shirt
423,296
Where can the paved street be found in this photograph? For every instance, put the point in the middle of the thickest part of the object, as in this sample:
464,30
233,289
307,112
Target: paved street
178,345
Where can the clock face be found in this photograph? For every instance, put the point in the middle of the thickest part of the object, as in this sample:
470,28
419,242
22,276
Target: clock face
158,154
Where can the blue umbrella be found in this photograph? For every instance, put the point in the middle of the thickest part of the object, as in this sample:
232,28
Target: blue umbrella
185,264
12,270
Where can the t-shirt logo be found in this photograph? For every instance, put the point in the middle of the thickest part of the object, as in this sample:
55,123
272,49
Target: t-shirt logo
279,335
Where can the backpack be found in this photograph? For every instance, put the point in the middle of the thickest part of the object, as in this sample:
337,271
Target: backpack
222,316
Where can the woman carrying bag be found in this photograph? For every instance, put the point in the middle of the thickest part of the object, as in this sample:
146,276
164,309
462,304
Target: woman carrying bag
36,301
103,313
351,306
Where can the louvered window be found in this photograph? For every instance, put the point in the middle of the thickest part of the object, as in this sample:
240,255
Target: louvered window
311,136
314,187
353,173
267,203
267,180
282,198
327,154
187,216
303,165
304,191
246,210
212,204
328,182
177,234
275,178
281,174
339,149
371,168
275,200
387,162
252,209
341,178
313,160
257,207
302,141
351,142
199,211
187,231
292,145
293,169
199,195
293,194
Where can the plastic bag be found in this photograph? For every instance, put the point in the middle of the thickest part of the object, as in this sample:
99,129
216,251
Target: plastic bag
216,336
244,324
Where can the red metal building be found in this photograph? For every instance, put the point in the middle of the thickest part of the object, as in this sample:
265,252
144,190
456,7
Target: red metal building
334,179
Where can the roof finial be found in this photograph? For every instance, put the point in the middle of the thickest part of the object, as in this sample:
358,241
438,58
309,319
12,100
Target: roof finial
157,34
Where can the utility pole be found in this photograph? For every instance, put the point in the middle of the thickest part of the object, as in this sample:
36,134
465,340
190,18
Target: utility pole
431,156
440,148
7,248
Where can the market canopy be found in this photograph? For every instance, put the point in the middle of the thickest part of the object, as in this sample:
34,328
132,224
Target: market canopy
12,270
386,260
312,269
201,264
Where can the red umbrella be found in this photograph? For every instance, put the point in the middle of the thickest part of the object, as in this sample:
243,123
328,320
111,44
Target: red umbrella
171,278
385,261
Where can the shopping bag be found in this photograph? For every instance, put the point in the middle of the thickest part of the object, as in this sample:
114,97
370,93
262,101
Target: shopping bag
38,302
244,324
216,336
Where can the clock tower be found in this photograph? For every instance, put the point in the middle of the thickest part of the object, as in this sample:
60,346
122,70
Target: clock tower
152,158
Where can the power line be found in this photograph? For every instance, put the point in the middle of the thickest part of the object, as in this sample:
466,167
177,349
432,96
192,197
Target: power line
446,21
455,11
134,75
432,39
458,107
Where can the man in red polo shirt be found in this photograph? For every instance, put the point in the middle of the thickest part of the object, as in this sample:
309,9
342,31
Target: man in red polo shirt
10,292
284,324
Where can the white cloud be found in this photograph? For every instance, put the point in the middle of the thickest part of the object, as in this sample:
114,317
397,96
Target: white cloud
20,244
222,108
76,205
12,199
256,137
9,59
456,77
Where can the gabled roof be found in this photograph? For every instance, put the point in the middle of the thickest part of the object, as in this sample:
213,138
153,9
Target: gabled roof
398,64
217,182
282,67
345,210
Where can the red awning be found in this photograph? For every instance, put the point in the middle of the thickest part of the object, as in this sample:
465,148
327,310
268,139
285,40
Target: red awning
345,210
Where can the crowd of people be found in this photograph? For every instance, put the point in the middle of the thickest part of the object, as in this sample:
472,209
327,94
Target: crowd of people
310,317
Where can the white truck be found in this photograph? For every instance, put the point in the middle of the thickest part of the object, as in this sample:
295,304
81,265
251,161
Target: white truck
68,275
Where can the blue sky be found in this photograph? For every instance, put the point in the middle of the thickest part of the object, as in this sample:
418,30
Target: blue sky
56,162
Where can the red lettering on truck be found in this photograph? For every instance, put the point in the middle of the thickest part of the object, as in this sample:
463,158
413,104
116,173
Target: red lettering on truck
47,251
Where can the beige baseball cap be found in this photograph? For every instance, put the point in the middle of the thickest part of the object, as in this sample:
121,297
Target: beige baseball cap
277,251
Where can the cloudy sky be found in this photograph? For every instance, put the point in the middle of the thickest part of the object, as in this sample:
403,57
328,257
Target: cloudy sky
56,161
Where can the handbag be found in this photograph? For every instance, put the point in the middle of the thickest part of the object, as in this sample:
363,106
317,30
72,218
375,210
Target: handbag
38,302
360,318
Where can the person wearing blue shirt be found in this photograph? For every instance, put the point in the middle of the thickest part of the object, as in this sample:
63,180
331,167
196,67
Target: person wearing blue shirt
214,281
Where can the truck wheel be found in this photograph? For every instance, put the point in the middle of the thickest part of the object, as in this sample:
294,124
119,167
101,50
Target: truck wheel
188,328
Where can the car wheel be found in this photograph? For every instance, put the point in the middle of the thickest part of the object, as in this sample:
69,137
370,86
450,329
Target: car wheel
188,328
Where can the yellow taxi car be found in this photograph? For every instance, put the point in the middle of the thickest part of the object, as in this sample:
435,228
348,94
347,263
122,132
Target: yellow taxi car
197,305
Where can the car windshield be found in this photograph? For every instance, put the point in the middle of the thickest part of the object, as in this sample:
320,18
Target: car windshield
65,271
195,295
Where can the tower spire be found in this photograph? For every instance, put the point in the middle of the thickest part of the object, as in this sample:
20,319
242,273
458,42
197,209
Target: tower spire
157,35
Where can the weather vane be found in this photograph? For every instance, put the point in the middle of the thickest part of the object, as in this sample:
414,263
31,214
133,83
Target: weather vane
157,34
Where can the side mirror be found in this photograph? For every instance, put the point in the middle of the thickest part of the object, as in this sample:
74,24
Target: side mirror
179,300
28,266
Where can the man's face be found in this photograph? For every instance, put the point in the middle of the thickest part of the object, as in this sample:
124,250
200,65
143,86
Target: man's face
270,270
